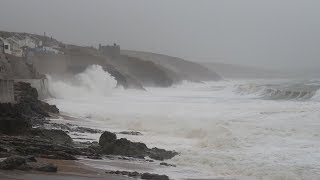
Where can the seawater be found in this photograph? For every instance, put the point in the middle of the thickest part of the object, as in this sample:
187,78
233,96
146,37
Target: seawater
248,129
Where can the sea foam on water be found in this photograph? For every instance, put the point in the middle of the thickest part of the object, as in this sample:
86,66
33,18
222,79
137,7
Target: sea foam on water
218,131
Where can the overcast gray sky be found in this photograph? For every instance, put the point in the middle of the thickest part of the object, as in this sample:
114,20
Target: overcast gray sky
270,33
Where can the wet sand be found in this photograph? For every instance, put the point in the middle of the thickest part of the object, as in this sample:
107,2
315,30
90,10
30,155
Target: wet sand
67,170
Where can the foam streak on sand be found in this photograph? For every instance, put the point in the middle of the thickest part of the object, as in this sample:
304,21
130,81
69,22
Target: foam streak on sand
219,132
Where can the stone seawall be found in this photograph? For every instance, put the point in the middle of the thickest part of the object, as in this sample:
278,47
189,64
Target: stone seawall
6,91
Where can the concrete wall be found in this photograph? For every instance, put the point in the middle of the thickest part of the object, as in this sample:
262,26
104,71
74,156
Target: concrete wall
40,84
6,91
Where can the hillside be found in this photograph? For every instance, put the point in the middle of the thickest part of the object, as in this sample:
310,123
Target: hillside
177,68
241,72
132,69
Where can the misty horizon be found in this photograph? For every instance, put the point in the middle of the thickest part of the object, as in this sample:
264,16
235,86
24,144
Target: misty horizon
269,34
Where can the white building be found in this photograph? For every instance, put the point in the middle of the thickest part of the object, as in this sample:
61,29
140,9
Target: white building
24,41
14,47
7,46
27,42
51,50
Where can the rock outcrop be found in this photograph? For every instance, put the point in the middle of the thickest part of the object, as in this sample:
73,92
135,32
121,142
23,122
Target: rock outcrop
18,118
139,175
147,72
22,163
54,135
12,121
111,145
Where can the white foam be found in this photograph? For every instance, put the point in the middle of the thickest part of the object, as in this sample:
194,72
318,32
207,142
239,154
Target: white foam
93,82
316,97
218,132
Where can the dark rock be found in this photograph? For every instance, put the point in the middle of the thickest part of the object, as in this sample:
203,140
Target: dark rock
86,130
41,147
94,157
161,154
27,98
49,108
166,164
59,155
24,167
55,135
60,126
12,121
30,158
18,118
4,154
107,138
125,173
3,149
134,133
123,79
146,72
124,158
154,176
46,168
12,162
123,147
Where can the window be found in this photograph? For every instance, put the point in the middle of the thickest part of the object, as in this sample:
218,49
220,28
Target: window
6,46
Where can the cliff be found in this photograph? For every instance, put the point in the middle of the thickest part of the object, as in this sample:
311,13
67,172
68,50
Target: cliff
177,68
147,72
131,69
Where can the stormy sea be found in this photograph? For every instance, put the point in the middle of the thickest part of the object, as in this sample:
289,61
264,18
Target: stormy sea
267,129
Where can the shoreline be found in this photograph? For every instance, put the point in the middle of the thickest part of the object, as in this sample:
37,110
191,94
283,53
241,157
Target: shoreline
67,169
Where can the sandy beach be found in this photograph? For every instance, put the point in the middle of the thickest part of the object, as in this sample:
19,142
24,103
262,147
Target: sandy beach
67,170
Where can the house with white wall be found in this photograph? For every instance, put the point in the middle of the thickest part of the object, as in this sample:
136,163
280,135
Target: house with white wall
15,47
25,41
6,46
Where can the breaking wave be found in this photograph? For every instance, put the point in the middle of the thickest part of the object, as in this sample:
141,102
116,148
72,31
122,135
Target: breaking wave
281,92
93,82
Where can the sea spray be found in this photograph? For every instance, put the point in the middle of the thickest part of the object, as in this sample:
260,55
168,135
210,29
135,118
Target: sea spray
93,82
316,97
217,130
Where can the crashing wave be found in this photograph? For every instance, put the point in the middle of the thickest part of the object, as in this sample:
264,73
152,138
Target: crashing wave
281,92
93,82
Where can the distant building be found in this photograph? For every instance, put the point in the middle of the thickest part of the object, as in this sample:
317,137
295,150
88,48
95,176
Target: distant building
27,42
6,46
38,42
15,47
111,51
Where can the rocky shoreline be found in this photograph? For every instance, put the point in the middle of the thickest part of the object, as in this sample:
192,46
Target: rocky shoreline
24,139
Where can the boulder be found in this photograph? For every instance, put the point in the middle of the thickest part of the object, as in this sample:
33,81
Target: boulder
107,138
161,154
12,162
45,167
134,133
54,135
123,147
154,176
167,164
30,158
139,175
12,121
